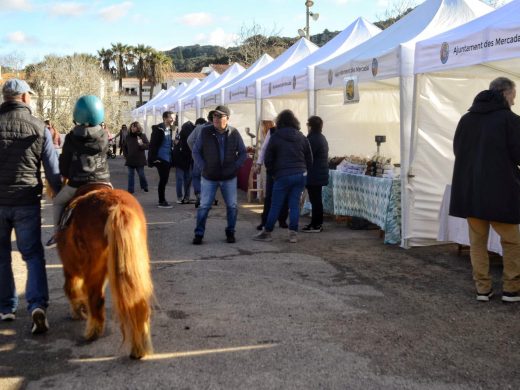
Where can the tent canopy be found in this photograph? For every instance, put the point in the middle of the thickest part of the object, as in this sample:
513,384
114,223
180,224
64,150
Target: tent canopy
390,53
215,96
295,78
143,108
444,92
193,100
492,37
246,89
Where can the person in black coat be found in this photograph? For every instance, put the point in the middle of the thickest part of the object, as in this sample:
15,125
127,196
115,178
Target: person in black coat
288,158
486,184
183,162
133,150
160,154
318,175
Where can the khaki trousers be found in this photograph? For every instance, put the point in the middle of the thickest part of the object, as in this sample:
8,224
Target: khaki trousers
510,240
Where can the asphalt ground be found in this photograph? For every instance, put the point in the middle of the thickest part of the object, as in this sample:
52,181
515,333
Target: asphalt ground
337,310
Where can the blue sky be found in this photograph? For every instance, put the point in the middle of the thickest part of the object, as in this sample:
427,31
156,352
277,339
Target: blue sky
34,28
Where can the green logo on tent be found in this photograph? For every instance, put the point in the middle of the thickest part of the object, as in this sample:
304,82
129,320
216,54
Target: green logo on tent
445,52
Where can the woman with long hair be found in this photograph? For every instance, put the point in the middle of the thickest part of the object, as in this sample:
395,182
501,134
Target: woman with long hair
288,157
133,149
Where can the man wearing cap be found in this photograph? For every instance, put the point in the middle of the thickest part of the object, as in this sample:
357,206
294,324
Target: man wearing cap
219,152
25,144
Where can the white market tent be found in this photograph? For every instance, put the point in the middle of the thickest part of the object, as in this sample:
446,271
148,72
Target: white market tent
298,80
160,105
242,118
192,103
176,104
451,69
215,96
142,110
243,97
384,68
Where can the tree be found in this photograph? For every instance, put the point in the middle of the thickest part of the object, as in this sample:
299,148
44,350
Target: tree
158,64
120,53
141,53
105,57
60,81
13,61
253,42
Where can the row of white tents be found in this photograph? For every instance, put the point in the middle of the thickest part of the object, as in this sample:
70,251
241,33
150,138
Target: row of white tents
416,79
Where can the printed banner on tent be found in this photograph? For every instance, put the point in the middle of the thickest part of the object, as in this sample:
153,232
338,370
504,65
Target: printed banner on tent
483,46
350,90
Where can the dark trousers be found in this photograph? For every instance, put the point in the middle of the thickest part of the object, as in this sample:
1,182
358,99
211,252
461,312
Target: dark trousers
163,168
317,205
284,212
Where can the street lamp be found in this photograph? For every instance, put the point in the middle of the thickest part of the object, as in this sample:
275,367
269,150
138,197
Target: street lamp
305,32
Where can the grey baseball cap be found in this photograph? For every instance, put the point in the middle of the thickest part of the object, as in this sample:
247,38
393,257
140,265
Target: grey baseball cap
15,87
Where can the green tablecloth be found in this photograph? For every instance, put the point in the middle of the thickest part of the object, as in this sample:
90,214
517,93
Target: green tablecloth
375,199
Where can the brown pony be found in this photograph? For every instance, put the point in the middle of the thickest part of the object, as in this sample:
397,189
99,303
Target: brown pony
106,236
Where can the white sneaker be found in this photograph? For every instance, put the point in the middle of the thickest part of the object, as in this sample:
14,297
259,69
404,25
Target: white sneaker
40,323
7,316
263,236
293,236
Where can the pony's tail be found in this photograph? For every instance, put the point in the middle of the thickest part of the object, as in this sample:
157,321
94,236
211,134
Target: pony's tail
129,275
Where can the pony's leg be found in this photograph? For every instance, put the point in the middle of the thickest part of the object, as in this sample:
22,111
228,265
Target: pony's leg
74,290
96,307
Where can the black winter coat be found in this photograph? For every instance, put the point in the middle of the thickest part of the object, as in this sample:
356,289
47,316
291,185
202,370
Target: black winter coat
318,175
156,140
83,158
486,178
181,151
288,153
21,144
133,149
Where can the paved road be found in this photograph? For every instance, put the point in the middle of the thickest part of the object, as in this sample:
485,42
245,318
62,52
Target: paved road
338,310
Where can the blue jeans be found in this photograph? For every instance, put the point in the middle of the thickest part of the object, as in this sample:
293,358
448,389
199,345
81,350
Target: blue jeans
228,188
290,187
142,178
183,182
195,179
26,222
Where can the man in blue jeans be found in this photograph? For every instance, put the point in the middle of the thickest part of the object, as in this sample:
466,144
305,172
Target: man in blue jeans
219,152
27,144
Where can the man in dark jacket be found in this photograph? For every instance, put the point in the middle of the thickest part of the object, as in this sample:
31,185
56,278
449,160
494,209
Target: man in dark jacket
486,184
219,152
24,145
318,175
83,159
160,154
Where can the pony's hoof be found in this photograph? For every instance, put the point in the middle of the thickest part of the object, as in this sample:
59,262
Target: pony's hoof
136,356
93,334
79,312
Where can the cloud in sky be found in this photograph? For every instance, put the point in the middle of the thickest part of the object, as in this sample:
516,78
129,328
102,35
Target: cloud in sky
15,5
196,19
116,11
67,9
218,37
20,38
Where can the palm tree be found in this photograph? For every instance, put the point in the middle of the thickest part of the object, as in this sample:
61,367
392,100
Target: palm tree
119,52
159,64
141,52
105,57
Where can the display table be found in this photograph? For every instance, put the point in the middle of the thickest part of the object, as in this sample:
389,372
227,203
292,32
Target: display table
455,229
373,198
